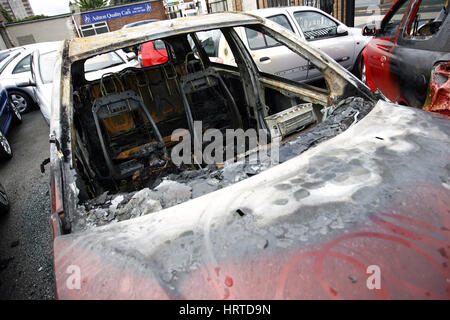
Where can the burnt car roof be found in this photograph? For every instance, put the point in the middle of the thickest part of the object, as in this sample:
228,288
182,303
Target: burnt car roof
83,47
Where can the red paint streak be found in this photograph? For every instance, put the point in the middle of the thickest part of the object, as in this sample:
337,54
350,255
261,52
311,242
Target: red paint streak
443,253
229,281
226,294
333,292
407,233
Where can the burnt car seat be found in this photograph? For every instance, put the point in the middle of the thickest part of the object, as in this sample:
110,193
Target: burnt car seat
128,135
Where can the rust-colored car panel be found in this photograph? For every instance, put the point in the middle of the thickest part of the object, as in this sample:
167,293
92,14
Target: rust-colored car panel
438,97
411,41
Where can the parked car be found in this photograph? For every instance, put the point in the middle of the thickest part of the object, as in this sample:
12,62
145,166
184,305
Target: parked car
409,57
152,53
149,53
139,23
17,69
350,203
321,30
4,54
4,201
9,114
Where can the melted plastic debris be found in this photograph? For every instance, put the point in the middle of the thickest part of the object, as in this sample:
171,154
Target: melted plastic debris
177,188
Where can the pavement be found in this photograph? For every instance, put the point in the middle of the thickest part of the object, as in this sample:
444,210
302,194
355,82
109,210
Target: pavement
26,254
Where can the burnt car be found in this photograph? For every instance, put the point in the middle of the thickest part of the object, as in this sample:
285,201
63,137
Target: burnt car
343,199
408,58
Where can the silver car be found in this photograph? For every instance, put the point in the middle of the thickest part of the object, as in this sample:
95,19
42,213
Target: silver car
319,29
17,69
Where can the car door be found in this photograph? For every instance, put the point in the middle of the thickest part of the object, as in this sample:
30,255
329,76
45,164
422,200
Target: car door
42,74
34,76
379,57
321,31
4,114
272,58
422,42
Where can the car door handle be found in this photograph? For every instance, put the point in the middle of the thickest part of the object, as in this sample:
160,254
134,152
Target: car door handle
262,59
383,59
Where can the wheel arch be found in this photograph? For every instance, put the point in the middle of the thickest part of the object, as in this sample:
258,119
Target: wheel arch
13,88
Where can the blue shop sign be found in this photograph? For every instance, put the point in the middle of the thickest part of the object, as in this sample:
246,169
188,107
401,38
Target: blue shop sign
117,13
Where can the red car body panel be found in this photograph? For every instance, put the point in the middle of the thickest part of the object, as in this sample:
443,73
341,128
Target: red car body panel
438,99
403,229
408,250
151,56
376,55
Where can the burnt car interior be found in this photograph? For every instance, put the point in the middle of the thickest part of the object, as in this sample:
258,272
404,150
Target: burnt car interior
123,121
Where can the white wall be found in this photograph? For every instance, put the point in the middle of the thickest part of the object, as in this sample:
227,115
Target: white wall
248,5
42,30
2,44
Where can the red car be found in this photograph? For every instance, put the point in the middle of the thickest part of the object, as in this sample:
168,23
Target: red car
152,53
408,59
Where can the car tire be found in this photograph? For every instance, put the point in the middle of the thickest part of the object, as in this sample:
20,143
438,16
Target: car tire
4,201
17,117
5,148
21,100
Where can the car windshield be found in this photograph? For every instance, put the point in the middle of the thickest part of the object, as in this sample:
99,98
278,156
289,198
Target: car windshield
46,66
102,61
159,45
210,41
4,55
7,62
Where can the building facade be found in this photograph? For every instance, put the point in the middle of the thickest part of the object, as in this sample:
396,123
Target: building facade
88,23
17,9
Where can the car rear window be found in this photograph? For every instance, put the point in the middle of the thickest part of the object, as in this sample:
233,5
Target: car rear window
282,20
23,66
159,45
2,68
256,40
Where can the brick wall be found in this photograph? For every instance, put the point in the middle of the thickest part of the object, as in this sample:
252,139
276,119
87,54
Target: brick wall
157,13
116,24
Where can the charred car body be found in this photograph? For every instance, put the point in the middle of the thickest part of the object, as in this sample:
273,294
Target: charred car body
112,160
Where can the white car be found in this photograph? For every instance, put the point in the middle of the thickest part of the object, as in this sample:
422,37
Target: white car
16,68
319,29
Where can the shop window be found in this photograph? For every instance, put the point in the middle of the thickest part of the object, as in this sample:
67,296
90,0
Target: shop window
93,29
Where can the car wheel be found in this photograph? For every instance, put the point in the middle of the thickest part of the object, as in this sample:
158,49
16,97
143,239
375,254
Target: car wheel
363,71
21,100
4,202
17,117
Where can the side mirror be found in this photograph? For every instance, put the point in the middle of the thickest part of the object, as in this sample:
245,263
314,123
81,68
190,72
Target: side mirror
24,84
131,56
342,30
369,30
